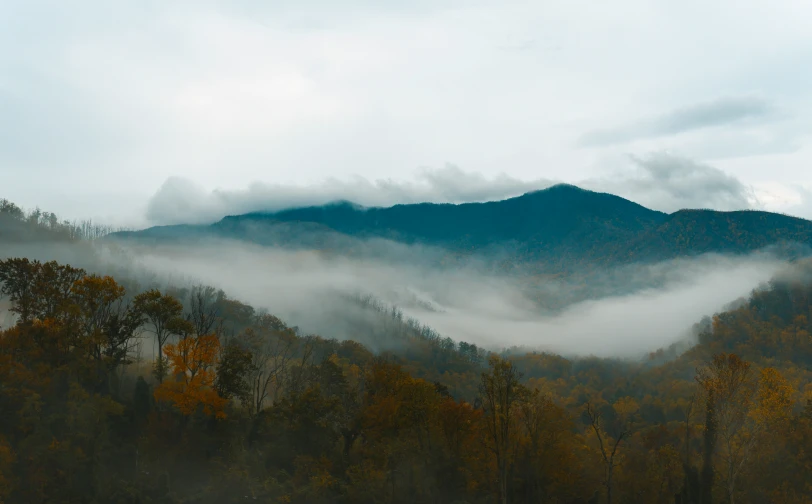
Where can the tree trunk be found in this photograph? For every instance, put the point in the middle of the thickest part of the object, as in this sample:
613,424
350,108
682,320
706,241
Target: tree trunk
706,496
609,484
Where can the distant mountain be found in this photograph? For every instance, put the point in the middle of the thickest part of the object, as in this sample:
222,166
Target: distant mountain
559,229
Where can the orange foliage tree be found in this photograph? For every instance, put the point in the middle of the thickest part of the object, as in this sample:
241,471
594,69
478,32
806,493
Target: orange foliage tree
193,362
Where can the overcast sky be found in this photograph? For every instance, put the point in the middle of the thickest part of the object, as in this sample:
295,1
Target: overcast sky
141,112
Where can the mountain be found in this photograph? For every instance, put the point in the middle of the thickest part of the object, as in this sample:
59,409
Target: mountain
559,229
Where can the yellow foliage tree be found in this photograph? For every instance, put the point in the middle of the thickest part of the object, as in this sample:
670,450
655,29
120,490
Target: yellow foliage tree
746,406
193,362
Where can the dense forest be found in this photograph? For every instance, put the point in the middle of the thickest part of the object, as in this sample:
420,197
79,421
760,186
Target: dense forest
111,392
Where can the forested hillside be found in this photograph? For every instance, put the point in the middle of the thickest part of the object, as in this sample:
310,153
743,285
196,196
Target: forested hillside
19,226
130,390
236,406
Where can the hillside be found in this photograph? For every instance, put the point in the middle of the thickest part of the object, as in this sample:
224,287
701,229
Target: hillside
276,416
559,229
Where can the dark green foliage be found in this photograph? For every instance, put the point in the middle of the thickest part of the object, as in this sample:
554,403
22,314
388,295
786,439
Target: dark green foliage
142,399
560,229
232,370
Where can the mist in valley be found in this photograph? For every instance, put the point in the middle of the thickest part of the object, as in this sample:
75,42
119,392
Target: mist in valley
621,312
319,294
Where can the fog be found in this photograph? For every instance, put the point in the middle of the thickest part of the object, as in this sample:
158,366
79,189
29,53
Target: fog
309,290
623,312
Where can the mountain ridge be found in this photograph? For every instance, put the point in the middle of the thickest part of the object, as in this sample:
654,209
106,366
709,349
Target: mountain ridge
561,228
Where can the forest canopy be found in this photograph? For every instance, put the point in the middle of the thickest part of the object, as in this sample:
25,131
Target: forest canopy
236,405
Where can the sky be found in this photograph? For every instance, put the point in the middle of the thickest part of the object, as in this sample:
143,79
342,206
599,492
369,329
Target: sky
153,112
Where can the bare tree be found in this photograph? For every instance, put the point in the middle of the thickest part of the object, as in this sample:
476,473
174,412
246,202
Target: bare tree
609,443
204,312
272,347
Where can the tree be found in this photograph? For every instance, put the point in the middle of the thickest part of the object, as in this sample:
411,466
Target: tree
689,491
18,278
193,361
709,440
54,290
204,311
545,457
142,402
11,210
233,371
164,315
37,290
610,436
6,469
108,324
500,393
272,347
743,406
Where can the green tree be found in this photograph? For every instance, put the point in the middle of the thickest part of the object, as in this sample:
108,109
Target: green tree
164,314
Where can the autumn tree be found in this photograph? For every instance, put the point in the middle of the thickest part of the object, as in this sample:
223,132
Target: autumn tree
460,427
546,459
500,393
193,362
744,404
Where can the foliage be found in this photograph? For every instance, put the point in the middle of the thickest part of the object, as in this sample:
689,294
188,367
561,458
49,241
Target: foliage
193,361
249,409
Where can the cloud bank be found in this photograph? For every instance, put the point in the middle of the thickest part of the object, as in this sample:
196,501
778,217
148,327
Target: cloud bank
660,181
181,201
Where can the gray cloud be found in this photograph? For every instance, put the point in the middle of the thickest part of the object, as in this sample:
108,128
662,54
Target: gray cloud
719,112
668,182
181,201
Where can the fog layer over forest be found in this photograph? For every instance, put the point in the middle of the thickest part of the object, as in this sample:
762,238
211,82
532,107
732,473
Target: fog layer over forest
319,293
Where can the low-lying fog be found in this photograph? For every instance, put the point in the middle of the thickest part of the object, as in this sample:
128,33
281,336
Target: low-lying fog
468,305
308,289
